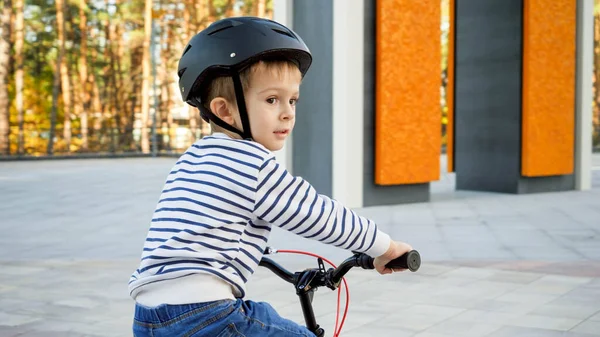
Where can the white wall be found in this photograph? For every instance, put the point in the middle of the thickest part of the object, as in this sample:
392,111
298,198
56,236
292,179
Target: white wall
348,116
283,13
583,115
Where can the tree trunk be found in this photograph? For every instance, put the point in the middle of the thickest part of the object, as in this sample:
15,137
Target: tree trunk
260,6
113,73
84,89
165,78
121,90
132,109
146,76
597,62
596,92
229,10
206,13
19,73
187,33
55,92
95,97
64,73
5,47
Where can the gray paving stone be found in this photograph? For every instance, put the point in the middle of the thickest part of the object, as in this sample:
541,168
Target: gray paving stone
463,328
568,311
506,307
588,327
556,285
431,334
486,316
552,252
514,277
11,331
8,319
470,273
545,322
413,321
522,295
533,332
374,329
487,258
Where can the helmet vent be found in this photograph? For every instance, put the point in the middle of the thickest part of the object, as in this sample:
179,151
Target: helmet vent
282,32
219,27
180,73
187,49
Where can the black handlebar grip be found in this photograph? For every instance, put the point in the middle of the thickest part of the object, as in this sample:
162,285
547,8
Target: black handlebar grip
365,261
410,261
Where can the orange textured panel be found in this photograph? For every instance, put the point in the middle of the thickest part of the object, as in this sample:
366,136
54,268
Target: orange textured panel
450,90
407,98
548,87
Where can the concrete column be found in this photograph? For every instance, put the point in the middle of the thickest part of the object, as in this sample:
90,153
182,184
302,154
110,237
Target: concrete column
283,13
583,117
348,82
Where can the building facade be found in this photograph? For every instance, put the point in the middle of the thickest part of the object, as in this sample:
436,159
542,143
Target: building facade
368,128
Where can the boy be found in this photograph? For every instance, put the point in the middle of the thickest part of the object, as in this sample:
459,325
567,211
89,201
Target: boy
213,219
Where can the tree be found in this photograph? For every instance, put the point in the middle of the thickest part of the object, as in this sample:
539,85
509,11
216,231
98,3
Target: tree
19,76
64,72
146,76
5,47
79,72
84,88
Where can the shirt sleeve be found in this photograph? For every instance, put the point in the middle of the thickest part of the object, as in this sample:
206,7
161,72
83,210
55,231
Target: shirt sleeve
293,204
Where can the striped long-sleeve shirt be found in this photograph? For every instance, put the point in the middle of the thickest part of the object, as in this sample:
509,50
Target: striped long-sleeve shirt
214,216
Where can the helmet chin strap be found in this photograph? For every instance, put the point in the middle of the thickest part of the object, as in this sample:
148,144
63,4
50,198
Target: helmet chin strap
239,96
241,103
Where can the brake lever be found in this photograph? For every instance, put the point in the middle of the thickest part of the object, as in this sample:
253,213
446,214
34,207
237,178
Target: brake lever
313,279
269,251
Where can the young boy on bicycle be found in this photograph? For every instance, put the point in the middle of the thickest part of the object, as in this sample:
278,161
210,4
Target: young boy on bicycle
214,216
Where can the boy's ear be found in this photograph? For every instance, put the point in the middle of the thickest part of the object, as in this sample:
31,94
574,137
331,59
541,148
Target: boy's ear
222,109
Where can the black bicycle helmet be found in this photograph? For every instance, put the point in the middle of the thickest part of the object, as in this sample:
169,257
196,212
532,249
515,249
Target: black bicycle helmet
228,46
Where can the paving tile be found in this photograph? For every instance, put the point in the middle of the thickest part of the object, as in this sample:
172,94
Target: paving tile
432,334
463,328
595,317
514,277
488,317
545,322
588,327
11,331
528,265
506,307
533,332
566,311
7,319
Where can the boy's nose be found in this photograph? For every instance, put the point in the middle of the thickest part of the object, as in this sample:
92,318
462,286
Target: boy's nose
288,113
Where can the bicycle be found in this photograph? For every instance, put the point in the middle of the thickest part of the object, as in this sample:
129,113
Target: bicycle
306,282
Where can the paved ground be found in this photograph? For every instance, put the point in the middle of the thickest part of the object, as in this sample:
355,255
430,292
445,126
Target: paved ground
493,264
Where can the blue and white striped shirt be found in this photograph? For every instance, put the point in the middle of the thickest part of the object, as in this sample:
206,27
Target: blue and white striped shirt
216,210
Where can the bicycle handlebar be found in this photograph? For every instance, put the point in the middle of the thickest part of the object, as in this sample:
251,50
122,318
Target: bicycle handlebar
277,269
410,261
307,281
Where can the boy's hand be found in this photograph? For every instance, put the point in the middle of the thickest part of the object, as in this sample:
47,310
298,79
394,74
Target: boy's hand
396,250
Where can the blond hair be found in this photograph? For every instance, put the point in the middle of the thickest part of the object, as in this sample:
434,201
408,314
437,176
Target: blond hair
223,86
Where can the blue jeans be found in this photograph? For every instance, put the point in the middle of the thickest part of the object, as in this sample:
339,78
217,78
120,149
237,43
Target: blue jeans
222,318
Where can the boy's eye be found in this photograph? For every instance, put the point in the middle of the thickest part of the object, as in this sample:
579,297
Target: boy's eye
293,101
271,100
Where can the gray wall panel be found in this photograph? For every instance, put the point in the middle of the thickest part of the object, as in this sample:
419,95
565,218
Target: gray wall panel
488,94
312,139
488,100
